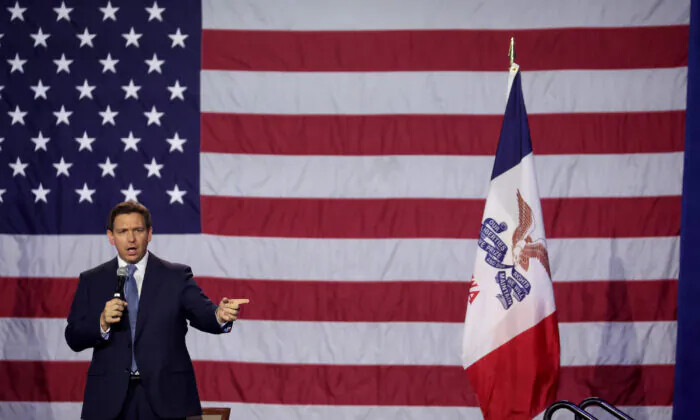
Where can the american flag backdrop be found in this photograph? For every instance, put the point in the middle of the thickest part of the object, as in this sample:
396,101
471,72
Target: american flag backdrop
329,160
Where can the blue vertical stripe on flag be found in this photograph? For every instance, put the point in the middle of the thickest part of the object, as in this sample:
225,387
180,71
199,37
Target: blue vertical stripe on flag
514,142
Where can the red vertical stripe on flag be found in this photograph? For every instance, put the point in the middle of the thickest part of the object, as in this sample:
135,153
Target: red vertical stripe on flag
524,357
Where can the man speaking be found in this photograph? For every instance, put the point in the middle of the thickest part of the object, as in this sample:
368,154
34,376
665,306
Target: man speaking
140,366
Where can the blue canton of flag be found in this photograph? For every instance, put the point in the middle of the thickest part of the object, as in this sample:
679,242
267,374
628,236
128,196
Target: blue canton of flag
99,103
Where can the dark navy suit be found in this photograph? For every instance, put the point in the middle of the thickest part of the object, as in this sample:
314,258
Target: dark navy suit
169,297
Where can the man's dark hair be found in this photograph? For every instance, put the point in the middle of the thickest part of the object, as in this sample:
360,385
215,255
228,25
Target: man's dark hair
129,207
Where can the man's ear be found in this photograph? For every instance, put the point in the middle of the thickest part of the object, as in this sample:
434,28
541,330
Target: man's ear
150,234
110,235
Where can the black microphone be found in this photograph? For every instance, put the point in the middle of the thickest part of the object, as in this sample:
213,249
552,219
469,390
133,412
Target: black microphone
121,280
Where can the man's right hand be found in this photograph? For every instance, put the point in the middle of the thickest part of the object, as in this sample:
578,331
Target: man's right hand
112,313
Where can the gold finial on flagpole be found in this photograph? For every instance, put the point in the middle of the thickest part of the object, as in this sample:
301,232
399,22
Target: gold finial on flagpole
511,51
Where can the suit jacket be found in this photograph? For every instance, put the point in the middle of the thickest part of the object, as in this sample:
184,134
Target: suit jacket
169,298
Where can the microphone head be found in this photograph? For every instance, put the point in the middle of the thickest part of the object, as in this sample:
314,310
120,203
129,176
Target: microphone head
122,273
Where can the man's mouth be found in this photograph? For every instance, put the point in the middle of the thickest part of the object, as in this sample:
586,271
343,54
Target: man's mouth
131,250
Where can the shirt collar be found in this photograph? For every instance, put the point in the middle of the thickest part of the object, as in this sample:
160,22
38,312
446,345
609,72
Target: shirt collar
140,266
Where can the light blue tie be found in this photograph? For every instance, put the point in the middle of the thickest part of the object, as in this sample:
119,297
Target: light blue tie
132,298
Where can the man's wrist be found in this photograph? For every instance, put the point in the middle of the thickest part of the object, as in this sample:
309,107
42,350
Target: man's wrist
104,326
104,332
222,324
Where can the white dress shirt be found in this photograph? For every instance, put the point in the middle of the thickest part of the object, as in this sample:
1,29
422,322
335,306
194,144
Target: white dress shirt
138,276
140,270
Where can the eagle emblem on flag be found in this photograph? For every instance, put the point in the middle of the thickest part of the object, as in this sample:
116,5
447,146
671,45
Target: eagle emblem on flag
524,247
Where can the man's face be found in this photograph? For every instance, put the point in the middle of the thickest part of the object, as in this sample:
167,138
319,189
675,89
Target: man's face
130,236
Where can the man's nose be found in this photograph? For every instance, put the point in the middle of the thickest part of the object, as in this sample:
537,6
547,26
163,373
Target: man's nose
131,237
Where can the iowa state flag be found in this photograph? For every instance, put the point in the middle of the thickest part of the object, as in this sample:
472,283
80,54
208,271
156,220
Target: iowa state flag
511,340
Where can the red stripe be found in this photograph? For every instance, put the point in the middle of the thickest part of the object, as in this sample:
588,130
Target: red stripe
42,381
618,301
611,217
620,385
344,385
427,50
36,297
639,132
431,218
518,380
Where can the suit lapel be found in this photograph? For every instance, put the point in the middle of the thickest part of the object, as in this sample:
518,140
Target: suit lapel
149,292
108,286
111,273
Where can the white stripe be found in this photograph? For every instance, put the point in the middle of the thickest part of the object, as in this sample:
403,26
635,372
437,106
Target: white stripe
362,343
342,412
40,410
481,93
70,410
620,175
64,411
446,14
587,259
618,343
642,412
254,175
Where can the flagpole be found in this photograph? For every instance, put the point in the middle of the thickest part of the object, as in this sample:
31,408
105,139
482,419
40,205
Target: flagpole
513,69
511,51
